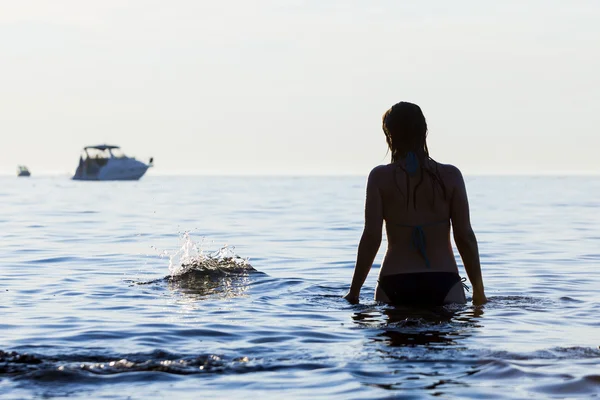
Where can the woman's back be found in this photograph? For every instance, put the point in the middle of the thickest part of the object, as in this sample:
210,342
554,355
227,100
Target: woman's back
418,199
416,211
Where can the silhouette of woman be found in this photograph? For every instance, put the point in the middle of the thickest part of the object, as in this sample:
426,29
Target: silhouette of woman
419,199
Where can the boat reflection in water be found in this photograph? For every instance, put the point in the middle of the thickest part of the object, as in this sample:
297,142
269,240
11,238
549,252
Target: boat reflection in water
108,163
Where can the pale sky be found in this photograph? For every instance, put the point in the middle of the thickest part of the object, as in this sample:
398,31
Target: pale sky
276,86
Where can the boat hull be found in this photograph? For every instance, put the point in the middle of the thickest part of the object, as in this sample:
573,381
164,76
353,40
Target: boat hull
113,170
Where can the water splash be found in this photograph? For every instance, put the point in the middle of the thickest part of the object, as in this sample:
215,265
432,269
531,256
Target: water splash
191,256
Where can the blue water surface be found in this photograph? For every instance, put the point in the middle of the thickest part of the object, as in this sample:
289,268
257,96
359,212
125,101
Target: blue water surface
89,307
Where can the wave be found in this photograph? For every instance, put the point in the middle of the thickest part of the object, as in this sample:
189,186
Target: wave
81,367
37,366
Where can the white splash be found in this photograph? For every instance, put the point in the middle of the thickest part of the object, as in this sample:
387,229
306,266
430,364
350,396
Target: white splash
191,255
188,252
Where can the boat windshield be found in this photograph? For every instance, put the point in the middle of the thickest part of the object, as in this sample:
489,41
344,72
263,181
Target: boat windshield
118,153
96,153
103,153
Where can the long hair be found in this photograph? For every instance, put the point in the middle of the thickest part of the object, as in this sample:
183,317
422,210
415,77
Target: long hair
405,131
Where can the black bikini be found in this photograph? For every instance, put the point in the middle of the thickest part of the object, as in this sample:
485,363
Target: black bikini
419,288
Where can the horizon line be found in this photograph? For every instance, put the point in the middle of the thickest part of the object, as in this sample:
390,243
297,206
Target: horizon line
312,174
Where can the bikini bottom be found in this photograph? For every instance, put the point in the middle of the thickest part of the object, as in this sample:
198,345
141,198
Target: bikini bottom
418,288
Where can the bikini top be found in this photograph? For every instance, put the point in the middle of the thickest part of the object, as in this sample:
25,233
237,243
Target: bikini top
418,238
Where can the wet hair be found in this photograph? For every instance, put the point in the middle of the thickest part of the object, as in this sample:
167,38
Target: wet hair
405,131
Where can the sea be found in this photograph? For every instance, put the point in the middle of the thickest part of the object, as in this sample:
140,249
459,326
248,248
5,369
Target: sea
186,287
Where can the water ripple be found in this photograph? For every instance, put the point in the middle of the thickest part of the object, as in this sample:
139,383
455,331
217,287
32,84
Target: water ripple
106,294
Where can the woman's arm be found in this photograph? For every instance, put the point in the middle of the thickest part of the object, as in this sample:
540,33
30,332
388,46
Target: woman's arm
371,236
464,237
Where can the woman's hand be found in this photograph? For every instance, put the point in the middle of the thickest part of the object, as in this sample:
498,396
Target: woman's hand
479,298
351,297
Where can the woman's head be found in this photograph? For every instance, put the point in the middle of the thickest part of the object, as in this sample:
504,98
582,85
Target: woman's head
405,130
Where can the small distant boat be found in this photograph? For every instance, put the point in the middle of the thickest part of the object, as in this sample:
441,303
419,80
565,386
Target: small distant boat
23,171
109,163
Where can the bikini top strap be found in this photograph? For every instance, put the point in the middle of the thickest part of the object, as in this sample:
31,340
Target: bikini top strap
418,238
419,243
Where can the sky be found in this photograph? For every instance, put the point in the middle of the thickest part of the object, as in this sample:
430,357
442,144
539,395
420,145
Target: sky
299,86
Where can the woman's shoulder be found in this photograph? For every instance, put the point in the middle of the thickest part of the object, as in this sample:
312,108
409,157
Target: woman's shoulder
447,168
380,172
379,176
449,173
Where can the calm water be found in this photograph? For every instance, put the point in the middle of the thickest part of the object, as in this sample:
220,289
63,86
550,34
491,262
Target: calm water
89,308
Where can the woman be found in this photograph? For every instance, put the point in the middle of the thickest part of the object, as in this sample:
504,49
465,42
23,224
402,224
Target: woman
419,199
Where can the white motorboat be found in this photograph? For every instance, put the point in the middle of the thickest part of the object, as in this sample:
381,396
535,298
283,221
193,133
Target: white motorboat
109,163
